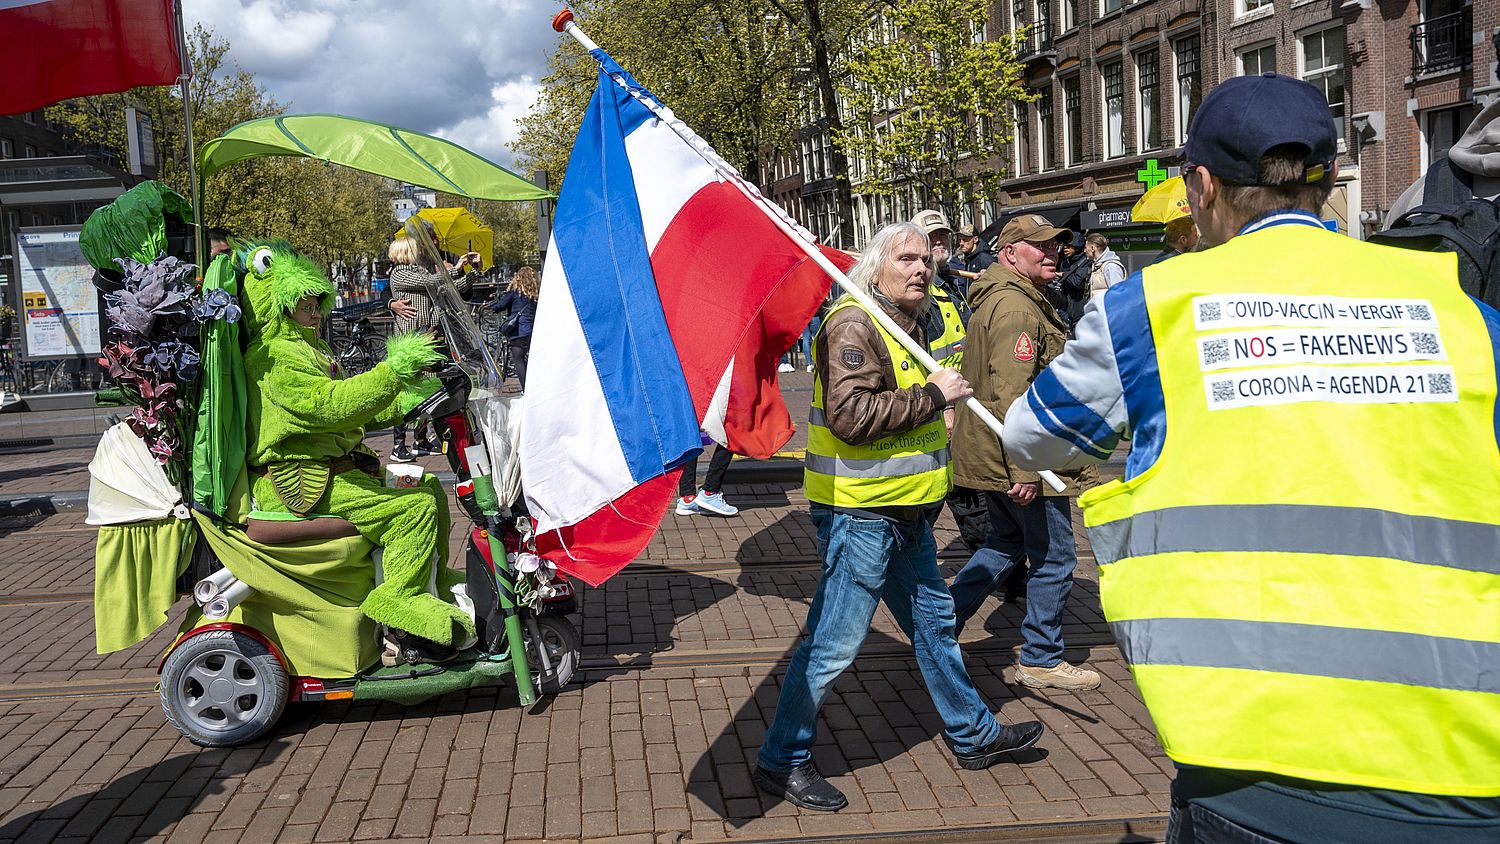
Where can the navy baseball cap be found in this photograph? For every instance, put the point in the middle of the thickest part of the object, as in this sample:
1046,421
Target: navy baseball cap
1245,116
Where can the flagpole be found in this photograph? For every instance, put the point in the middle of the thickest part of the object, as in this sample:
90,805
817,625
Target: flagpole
200,241
563,22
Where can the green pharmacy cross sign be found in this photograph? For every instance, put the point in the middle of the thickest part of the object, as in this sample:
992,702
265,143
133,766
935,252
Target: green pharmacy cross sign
1152,176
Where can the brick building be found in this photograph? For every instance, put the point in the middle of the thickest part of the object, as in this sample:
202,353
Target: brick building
1420,70
1117,85
1117,82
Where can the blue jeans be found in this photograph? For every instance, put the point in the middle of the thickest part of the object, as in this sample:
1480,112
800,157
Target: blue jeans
1040,534
865,561
805,344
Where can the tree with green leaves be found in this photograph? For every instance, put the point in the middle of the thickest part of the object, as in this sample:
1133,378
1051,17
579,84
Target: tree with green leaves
934,98
337,215
736,71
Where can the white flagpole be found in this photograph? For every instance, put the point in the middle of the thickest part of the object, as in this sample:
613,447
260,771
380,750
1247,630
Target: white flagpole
200,240
563,22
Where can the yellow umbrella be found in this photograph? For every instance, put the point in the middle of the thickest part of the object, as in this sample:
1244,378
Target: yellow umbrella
458,232
1163,203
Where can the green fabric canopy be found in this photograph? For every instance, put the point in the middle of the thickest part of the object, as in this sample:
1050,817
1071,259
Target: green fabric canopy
133,226
389,151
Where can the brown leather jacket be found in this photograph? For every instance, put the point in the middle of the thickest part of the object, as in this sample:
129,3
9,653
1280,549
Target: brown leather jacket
860,399
1014,333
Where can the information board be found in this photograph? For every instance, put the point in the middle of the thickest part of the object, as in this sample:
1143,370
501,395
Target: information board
59,306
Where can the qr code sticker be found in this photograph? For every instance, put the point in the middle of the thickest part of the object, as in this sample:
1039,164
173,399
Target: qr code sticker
1215,351
1419,312
1223,391
1440,383
1209,312
1425,343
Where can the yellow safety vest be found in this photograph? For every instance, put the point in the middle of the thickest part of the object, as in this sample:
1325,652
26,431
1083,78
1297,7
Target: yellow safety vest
900,470
948,348
1307,579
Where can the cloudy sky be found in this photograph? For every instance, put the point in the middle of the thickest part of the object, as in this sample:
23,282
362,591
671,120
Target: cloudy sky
462,69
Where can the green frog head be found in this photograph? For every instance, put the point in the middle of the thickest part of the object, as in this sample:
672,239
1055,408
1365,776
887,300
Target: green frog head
277,279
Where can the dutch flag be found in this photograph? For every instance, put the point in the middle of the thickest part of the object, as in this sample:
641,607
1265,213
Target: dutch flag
667,298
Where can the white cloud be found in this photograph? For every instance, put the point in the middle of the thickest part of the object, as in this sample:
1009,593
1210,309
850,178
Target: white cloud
491,134
462,69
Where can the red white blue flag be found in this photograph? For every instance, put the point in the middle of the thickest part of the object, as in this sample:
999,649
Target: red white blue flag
53,50
668,297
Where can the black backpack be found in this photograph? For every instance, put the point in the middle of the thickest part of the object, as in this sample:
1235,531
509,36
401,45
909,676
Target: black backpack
1452,219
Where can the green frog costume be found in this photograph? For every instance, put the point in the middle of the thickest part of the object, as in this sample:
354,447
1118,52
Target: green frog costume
306,429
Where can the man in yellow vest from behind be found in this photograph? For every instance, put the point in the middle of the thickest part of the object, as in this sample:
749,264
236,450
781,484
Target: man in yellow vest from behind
1302,563
877,470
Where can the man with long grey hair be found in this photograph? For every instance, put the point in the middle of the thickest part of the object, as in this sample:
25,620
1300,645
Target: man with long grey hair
877,470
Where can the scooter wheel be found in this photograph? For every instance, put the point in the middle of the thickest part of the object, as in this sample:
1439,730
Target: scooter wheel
560,638
222,688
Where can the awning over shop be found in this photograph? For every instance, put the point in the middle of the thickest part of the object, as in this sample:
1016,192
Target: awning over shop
1064,214
62,179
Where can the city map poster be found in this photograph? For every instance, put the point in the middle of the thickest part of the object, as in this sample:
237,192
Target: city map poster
59,305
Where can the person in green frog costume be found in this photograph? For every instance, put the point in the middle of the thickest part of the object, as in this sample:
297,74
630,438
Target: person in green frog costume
306,429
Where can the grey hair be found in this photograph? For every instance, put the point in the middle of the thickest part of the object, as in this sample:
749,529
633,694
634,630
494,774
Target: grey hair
878,252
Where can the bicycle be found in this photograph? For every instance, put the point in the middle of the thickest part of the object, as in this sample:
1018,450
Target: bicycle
22,377
357,347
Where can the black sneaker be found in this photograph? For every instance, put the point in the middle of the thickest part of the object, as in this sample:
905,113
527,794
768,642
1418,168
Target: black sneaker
402,454
414,650
1013,737
426,449
802,786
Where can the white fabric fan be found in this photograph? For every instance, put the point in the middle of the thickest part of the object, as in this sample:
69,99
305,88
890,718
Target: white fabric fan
126,484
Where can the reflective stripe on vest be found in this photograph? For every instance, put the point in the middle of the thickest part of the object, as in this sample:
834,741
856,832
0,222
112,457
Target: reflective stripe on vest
947,349
1305,580
900,470
1300,529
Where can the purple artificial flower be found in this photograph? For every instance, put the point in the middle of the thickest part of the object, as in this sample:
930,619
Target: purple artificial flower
162,450
217,304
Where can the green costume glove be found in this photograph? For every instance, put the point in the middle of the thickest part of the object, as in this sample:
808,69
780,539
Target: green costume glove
408,354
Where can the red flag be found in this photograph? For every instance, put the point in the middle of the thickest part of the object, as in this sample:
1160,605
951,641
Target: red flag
53,50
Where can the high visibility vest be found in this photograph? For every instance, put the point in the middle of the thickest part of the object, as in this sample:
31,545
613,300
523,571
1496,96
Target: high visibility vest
900,470
948,348
1306,581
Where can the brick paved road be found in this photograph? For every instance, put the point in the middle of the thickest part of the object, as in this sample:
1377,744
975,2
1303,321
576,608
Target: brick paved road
657,745
683,654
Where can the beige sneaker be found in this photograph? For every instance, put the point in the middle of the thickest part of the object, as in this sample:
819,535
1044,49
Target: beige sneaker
1059,676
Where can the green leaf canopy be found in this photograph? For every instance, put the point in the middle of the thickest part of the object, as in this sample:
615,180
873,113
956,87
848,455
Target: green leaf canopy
389,151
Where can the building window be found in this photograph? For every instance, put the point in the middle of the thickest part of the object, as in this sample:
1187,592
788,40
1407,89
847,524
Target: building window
1107,6
1189,84
1073,120
1114,110
30,151
1017,14
1069,13
1023,138
1245,7
1258,60
29,117
1321,62
7,148
1046,143
1441,128
1148,99
1041,34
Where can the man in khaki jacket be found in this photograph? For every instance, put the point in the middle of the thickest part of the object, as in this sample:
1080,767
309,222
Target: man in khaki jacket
1014,333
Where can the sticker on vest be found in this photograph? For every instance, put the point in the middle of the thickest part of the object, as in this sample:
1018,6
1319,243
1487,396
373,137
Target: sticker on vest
906,364
1339,384
852,357
1024,349
1235,310
1318,345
